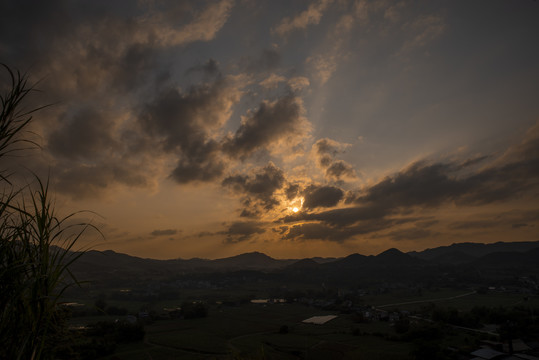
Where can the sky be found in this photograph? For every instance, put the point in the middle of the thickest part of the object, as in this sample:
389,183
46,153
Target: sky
294,128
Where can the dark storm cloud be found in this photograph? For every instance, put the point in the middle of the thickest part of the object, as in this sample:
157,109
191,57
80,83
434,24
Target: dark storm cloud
271,122
321,196
242,230
166,232
258,188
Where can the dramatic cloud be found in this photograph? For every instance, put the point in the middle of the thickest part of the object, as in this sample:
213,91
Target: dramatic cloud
91,155
422,185
292,191
430,185
242,230
273,123
325,151
321,196
247,113
340,169
342,217
327,147
183,124
100,62
117,46
327,232
419,184
257,189
312,231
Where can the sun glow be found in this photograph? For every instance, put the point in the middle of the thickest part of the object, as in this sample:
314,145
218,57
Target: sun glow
295,205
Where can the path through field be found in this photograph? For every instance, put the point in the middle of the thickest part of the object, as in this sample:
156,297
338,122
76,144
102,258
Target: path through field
426,300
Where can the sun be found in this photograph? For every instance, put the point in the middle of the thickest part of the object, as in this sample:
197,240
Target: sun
295,205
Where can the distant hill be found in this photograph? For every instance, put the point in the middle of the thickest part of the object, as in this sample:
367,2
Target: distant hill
252,260
390,257
391,263
509,259
304,264
110,262
351,261
453,257
394,257
474,250
323,260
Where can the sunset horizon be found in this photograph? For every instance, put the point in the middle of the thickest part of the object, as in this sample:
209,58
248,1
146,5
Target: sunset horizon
306,129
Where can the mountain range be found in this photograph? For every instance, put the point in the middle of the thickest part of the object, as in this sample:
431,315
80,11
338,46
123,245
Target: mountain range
462,255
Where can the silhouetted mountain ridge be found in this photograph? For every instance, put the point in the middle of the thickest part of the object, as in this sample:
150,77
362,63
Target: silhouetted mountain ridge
96,264
251,260
304,264
475,250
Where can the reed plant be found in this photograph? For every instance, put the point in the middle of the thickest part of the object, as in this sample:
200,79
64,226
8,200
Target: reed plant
35,244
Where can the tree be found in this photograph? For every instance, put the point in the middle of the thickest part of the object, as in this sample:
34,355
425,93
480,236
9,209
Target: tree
34,244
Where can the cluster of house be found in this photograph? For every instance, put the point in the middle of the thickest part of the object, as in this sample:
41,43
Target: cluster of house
515,349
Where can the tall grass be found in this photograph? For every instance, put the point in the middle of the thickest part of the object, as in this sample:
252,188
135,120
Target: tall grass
35,245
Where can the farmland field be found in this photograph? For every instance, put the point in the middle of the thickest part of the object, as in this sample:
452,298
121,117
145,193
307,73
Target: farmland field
252,332
276,330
